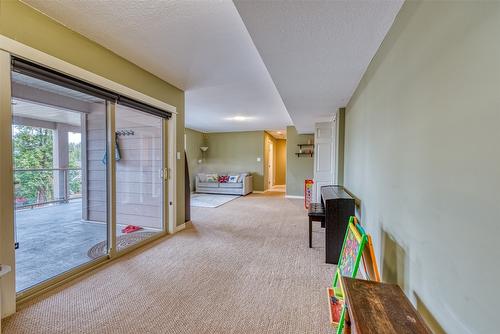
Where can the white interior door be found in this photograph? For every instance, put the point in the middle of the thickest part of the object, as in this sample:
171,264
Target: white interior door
324,157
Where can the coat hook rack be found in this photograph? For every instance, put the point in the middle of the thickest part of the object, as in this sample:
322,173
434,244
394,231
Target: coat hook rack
125,132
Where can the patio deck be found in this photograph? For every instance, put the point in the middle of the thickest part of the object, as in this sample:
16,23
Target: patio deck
52,240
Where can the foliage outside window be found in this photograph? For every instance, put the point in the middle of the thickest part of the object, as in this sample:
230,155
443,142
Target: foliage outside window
33,150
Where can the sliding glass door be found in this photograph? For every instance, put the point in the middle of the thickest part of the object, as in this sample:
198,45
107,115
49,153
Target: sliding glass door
139,176
59,147
87,167
88,172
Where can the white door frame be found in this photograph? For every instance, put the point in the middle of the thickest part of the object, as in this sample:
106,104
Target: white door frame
7,252
26,52
9,47
171,175
111,177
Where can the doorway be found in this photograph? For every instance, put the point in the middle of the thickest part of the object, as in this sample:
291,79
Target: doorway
270,166
275,160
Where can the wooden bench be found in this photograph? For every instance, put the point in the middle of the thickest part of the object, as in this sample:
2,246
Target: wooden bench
380,308
316,214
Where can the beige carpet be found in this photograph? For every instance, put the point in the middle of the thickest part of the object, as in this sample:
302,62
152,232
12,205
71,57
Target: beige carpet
244,268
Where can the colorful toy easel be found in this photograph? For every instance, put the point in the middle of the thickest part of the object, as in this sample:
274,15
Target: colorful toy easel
357,248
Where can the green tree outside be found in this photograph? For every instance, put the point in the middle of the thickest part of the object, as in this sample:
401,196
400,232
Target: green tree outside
33,149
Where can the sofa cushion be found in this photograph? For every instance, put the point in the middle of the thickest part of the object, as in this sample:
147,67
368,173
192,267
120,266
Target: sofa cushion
233,178
202,177
231,185
212,178
223,179
208,185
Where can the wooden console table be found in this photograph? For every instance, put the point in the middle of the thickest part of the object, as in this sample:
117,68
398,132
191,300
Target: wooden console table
380,308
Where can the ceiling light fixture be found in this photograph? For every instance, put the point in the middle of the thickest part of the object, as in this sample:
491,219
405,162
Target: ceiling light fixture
238,118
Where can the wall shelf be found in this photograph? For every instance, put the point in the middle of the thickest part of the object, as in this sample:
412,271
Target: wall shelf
304,154
308,152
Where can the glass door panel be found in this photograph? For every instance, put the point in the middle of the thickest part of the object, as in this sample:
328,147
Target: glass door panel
139,181
59,144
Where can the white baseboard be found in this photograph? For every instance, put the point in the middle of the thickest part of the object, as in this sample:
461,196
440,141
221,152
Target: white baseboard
179,228
293,196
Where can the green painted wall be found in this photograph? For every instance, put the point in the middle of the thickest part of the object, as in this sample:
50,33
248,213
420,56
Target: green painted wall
340,146
298,169
28,26
422,154
194,140
236,152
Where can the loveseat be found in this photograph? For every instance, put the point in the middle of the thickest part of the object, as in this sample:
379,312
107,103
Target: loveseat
224,183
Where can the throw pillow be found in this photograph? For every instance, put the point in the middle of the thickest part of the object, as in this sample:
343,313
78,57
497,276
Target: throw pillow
233,178
212,177
223,179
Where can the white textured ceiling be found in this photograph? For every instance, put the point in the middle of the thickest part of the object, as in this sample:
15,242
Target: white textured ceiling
317,51
202,47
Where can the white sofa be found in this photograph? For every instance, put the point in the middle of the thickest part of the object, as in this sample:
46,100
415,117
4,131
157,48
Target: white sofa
243,187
